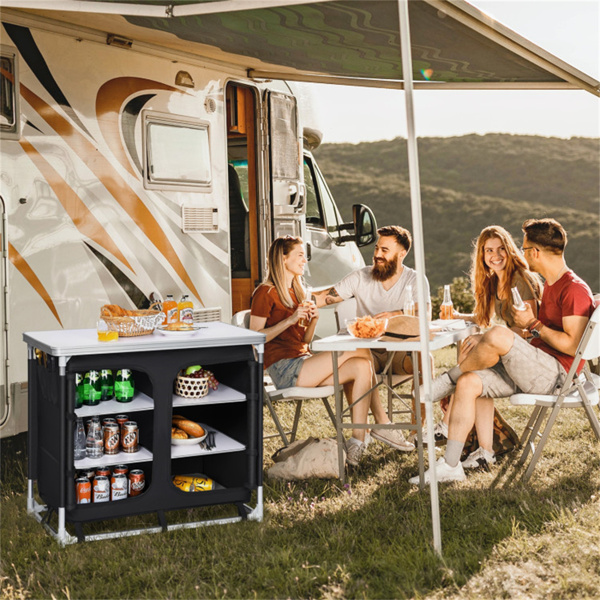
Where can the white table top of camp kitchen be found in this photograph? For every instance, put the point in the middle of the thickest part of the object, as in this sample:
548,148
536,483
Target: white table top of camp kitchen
344,341
75,342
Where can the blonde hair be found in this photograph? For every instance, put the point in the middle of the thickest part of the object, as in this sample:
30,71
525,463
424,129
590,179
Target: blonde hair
484,281
281,247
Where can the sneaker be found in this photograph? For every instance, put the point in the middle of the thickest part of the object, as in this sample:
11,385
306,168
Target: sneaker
479,458
394,438
440,434
443,471
442,386
354,452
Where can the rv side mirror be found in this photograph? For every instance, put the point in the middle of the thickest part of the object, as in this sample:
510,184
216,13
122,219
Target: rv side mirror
363,226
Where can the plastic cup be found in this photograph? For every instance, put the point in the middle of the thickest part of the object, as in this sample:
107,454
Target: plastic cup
104,334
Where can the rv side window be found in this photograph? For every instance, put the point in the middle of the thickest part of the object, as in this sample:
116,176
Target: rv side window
177,154
332,216
9,118
314,216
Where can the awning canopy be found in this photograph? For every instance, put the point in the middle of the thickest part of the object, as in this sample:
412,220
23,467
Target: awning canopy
454,45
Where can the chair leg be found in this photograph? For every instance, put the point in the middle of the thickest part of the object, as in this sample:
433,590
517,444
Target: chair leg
530,444
593,419
296,420
276,420
540,446
329,410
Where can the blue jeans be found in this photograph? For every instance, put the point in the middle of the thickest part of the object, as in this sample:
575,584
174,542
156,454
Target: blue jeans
284,372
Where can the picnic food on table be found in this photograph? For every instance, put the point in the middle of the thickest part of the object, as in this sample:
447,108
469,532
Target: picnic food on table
179,326
367,327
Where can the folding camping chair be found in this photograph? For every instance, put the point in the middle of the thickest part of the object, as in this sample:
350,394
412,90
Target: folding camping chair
345,311
294,394
578,391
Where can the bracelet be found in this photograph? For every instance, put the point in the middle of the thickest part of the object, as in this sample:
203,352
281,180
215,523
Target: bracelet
535,323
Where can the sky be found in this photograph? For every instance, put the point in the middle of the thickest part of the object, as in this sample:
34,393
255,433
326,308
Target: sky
569,29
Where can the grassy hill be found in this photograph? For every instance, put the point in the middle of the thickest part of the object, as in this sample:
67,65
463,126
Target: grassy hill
473,181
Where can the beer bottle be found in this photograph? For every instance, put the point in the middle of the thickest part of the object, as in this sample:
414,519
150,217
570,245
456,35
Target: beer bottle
79,390
186,310
107,390
447,308
91,388
517,300
409,303
170,309
124,386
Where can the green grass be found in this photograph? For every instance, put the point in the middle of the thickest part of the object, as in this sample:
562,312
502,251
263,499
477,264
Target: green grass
370,539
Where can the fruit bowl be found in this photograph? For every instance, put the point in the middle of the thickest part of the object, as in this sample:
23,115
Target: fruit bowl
367,328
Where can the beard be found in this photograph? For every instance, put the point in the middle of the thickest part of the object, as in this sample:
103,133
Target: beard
383,269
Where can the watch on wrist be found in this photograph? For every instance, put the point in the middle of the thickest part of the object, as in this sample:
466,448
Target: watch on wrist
535,327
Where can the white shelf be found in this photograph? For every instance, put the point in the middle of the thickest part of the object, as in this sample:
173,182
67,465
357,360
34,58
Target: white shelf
140,402
222,395
123,458
223,444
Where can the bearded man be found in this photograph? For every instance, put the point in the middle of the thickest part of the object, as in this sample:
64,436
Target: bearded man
381,291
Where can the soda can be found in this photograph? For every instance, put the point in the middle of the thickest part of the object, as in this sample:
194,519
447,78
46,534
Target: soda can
89,473
111,438
83,490
108,420
124,386
101,489
118,486
121,470
130,437
107,385
121,420
137,482
102,472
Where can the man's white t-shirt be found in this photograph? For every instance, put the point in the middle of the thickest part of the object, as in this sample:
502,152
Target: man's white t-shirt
371,297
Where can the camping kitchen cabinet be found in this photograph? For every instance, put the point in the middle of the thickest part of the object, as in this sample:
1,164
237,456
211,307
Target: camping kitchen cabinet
234,411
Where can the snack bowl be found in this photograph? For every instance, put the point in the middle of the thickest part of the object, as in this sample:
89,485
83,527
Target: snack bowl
189,441
368,328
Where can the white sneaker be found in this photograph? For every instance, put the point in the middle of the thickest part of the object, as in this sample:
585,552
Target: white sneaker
480,458
354,452
394,438
442,386
440,434
443,471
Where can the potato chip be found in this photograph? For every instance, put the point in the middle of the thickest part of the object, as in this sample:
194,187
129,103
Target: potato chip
367,327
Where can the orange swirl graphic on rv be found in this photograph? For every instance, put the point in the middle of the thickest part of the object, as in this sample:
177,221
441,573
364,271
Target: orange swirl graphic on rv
23,267
74,206
112,181
109,100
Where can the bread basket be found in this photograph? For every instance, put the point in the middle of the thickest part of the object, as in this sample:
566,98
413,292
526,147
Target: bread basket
136,322
191,387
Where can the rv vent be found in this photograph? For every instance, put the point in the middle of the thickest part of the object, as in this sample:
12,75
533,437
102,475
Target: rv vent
206,315
202,220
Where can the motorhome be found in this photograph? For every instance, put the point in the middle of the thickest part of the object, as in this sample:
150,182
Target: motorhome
130,169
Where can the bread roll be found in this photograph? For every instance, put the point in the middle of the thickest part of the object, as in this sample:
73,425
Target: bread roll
176,418
191,428
178,434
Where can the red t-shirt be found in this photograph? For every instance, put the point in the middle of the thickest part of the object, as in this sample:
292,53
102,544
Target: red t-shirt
569,296
290,342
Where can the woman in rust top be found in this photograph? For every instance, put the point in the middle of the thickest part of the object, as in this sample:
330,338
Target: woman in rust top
281,311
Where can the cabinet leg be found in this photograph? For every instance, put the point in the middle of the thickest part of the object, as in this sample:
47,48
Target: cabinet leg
162,519
256,514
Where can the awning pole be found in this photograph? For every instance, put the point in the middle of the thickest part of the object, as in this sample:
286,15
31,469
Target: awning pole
417,224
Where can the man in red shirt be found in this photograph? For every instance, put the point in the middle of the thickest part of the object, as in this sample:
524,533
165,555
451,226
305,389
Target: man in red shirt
502,363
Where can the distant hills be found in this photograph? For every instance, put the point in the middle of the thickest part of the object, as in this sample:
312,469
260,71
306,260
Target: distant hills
470,182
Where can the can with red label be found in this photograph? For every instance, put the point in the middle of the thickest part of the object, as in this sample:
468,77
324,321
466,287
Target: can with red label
121,470
83,490
137,482
130,437
101,489
102,472
111,438
90,472
118,487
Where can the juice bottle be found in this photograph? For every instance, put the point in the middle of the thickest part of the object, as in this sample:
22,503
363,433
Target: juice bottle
186,310
446,309
170,310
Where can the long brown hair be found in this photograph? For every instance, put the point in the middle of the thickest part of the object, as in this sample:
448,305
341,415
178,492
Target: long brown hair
281,247
484,281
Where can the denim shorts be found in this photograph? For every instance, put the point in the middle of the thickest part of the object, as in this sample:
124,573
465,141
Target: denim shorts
524,368
284,372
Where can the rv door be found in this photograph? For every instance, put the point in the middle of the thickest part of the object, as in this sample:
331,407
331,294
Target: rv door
285,158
